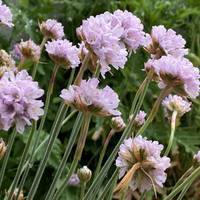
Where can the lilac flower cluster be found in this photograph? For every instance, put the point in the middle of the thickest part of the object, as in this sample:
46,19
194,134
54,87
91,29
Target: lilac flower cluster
176,103
5,15
52,29
63,52
140,118
152,165
19,102
165,42
107,35
88,98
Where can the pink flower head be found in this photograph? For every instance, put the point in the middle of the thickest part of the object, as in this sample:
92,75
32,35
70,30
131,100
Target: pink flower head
52,29
74,180
165,42
176,103
152,166
140,118
88,98
178,73
62,52
5,15
197,157
133,34
19,102
29,50
103,39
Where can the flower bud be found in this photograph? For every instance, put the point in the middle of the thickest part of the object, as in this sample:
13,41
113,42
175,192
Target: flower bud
117,123
3,148
84,174
196,158
73,180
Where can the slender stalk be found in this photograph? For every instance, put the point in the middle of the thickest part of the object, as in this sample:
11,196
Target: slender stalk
185,189
112,132
69,117
68,149
154,110
123,195
22,161
178,189
100,177
83,186
82,69
5,160
109,186
36,64
78,154
30,162
185,175
53,135
173,128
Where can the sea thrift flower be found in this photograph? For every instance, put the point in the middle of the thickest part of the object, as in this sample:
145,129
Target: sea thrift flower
63,53
19,102
176,103
145,154
103,41
52,29
74,180
140,118
88,98
84,174
165,42
197,157
29,50
3,148
133,35
5,15
178,73
118,124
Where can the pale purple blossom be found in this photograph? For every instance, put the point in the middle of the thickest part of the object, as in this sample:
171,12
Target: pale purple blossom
164,41
176,103
140,118
89,98
19,100
108,35
28,50
178,73
197,157
133,34
5,15
63,52
147,153
73,180
52,29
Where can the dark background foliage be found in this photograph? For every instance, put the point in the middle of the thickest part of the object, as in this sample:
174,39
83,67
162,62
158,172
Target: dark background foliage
181,15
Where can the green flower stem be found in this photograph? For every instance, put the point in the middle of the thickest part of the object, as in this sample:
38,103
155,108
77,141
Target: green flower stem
30,162
123,195
100,177
22,161
109,186
36,64
82,69
112,132
185,189
78,154
173,128
69,117
68,150
53,135
154,110
5,160
179,188
83,186
185,175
